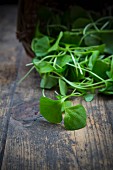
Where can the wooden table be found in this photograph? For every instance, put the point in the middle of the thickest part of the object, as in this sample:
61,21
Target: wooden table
38,145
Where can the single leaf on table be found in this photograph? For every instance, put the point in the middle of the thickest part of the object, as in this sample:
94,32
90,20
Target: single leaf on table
62,87
89,97
40,46
75,117
51,109
47,82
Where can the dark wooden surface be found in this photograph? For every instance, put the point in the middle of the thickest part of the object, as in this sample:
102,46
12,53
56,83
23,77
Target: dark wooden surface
38,145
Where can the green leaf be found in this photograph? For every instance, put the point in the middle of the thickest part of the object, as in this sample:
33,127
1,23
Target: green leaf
37,32
70,38
74,74
66,104
80,23
110,73
48,82
108,89
56,44
77,12
44,13
107,39
99,48
100,68
93,59
35,61
44,67
92,40
62,87
89,97
63,60
51,109
61,70
112,65
75,117
40,46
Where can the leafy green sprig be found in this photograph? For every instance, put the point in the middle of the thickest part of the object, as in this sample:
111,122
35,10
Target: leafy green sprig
56,111
76,57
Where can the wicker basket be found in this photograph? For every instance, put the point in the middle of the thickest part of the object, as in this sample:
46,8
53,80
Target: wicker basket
27,18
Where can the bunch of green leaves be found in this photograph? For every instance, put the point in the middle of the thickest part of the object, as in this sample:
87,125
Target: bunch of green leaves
73,53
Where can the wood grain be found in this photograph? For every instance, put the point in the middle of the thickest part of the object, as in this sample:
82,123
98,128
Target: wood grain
34,144
8,69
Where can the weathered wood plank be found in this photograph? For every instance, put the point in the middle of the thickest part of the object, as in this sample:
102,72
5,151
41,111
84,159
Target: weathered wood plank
8,69
47,146
96,139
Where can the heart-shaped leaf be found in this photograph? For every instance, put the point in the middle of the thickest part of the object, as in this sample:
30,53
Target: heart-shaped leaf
75,117
89,97
40,46
48,82
51,109
44,67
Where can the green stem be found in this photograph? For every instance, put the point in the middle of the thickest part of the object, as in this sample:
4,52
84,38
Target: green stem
92,32
89,72
26,74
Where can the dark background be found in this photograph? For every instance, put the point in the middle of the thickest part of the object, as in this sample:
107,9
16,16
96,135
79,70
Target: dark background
88,4
2,2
